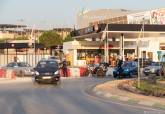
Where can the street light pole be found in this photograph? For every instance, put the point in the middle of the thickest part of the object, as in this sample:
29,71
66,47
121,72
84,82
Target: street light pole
35,50
7,50
106,45
138,53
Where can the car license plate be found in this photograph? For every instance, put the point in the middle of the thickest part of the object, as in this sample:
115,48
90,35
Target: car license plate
47,73
48,77
147,71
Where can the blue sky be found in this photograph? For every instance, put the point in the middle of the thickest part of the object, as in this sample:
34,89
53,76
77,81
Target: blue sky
62,13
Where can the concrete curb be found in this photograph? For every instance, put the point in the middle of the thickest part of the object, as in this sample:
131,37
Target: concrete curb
138,101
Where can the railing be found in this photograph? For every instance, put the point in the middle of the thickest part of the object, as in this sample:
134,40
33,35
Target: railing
28,58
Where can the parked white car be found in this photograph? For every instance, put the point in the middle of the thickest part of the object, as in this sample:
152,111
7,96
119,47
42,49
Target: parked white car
21,68
154,68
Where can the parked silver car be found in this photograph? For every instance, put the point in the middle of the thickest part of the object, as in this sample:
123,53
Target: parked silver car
155,68
21,68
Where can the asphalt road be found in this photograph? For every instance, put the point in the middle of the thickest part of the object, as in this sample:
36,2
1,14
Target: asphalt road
68,98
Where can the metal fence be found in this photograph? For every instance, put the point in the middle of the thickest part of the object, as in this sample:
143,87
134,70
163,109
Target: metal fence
32,59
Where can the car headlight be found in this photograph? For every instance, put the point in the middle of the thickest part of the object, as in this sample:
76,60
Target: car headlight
37,73
57,72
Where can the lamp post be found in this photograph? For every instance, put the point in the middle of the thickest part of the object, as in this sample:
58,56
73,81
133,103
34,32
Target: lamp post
138,53
106,45
7,50
34,50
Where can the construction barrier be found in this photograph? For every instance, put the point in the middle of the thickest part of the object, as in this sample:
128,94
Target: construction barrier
68,72
2,73
83,71
11,74
75,72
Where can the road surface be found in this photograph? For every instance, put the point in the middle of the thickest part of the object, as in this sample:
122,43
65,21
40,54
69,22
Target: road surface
68,98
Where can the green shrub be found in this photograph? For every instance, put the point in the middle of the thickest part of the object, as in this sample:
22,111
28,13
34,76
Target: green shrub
150,89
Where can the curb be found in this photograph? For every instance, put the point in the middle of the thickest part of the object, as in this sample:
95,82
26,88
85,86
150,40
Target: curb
109,95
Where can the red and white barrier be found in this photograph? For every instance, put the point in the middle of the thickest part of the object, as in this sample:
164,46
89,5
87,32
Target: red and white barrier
62,73
10,74
83,71
2,73
75,72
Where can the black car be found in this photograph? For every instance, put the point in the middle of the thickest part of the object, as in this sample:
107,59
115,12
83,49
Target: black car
47,71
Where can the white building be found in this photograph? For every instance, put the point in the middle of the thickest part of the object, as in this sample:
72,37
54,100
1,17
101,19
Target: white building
151,41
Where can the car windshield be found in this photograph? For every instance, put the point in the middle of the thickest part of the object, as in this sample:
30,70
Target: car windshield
22,64
127,64
44,64
13,64
155,64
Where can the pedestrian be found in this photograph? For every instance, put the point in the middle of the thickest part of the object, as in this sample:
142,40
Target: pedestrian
119,65
64,68
119,62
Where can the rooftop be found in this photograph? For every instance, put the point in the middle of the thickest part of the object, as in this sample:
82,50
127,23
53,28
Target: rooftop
3,26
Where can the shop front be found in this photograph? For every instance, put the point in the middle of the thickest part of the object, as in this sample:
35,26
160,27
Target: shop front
81,53
130,41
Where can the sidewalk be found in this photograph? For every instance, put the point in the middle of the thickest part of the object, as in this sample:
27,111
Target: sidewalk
110,90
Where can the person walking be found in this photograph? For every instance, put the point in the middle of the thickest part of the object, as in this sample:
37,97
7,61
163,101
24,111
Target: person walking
119,62
64,68
119,65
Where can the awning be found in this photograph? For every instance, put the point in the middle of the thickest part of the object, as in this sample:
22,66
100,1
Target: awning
115,30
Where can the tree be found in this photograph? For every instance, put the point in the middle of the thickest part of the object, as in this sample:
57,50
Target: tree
21,38
50,38
4,40
68,38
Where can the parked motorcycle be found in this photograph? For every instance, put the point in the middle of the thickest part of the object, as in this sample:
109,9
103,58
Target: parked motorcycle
101,71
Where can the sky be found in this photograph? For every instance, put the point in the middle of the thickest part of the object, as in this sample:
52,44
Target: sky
62,13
